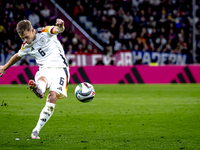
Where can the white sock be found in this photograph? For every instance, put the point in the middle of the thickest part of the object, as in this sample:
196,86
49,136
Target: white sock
41,85
45,114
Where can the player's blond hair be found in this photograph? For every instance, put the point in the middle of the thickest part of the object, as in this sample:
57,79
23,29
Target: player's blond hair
23,25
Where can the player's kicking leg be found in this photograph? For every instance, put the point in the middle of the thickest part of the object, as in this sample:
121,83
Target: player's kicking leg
38,89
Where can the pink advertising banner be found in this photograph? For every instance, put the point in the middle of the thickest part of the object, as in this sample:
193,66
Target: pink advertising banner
113,74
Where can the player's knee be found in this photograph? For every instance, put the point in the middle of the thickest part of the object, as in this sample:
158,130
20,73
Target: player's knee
52,97
44,79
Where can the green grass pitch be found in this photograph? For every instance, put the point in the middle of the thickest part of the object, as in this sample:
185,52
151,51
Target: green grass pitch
120,117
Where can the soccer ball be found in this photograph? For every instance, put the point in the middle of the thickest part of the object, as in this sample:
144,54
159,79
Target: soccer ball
84,92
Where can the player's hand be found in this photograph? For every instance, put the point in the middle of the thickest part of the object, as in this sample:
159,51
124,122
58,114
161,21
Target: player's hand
2,71
59,22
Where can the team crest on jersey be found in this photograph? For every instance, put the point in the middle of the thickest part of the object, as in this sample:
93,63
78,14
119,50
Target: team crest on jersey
42,40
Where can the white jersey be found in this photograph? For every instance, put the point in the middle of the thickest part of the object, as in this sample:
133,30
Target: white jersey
46,49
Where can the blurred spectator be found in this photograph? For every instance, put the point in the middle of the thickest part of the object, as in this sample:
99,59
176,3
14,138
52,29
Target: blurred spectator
198,52
136,18
45,12
78,9
105,35
97,19
113,26
117,46
20,13
130,26
167,48
121,33
70,34
141,38
28,10
75,43
152,47
104,23
136,3
94,14
9,48
84,45
171,35
34,19
80,49
143,20
132,41
70,50
108,50
163,32
181,47
127,17
89,50
120,14
160,43
111,11
65,41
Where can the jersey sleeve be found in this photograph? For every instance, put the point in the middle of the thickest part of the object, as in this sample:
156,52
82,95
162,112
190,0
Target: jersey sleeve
22,52
49,30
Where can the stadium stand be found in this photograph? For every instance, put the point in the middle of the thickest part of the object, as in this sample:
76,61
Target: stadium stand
144,25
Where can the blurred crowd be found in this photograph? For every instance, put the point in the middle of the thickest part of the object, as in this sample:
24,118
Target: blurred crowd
12,11
144,25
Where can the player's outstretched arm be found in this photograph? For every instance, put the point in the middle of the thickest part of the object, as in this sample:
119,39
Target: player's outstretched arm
11,62
59,28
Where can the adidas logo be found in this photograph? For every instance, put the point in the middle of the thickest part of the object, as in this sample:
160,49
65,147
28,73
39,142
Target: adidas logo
82,74
186,75
134,73
60,88
21,77
44,119
32,48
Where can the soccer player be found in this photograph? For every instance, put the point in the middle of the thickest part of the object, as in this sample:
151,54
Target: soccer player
53,73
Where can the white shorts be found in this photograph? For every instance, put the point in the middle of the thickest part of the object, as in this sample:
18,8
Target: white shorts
57,78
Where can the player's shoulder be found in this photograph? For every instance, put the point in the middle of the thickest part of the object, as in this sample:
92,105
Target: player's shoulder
46,29
23,46
39,30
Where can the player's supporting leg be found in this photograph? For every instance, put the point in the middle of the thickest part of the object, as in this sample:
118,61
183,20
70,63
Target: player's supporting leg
45,114
39,87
